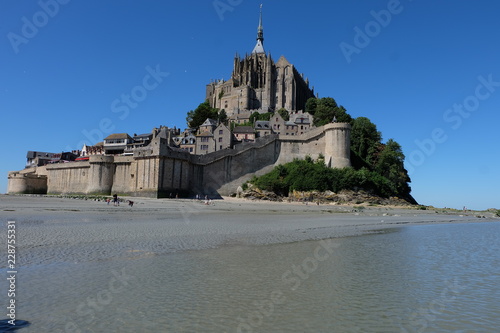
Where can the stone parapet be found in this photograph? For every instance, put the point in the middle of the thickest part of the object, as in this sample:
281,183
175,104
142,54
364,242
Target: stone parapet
101,159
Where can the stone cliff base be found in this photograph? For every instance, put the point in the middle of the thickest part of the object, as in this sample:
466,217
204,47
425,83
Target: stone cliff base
343,197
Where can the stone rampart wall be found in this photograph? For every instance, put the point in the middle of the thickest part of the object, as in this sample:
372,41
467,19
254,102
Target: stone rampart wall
332,141
174,177
230,167
125,175
160,171
68,178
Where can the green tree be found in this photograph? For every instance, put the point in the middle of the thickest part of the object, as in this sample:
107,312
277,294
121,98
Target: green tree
311,105
198,116
325,111
284,114
327,102
253,117
265,116
342,116
246,123
260,116
273,181
390,164
365,139
309,175
222,117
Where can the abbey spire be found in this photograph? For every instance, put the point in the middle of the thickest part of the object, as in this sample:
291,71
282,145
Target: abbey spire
259,47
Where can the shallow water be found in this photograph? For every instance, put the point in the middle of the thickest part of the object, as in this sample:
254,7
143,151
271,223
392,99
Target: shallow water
436,278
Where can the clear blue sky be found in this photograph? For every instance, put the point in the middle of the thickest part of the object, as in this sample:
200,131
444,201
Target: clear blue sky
427,73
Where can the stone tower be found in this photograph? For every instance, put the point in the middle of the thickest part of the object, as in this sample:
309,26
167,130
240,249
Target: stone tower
259,84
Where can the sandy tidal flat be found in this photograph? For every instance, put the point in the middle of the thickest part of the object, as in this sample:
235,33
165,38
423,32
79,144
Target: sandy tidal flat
52,229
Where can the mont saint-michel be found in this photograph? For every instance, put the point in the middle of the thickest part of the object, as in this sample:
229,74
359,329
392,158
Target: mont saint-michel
320,236
261,123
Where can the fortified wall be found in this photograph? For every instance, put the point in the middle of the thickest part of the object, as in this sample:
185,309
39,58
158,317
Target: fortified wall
159,170
32,180
331,140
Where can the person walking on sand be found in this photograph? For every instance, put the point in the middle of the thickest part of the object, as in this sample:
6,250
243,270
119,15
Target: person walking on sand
115,200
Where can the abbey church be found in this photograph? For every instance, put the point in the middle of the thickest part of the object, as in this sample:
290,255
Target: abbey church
259,84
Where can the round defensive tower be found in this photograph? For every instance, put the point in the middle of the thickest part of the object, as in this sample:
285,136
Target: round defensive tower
26,183
337,145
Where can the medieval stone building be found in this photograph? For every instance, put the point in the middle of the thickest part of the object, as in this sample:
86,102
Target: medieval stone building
259,84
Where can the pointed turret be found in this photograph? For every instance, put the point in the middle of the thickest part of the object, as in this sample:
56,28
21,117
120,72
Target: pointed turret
259,47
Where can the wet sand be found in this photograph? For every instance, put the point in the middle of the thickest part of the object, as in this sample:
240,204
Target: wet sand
188,267
53,229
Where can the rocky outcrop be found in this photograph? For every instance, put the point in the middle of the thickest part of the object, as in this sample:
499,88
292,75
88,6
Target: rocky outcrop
348,197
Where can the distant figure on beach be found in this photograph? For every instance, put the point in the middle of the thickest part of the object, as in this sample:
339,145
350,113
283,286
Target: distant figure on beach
130,203
115,200
108,200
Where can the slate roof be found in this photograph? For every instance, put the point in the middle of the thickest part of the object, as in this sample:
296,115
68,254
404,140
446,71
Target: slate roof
209,122
262,124
33,154
243,129
146,136
117,136
188,140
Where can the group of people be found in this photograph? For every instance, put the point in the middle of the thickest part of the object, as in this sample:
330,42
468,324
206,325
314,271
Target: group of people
207,201
116,201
